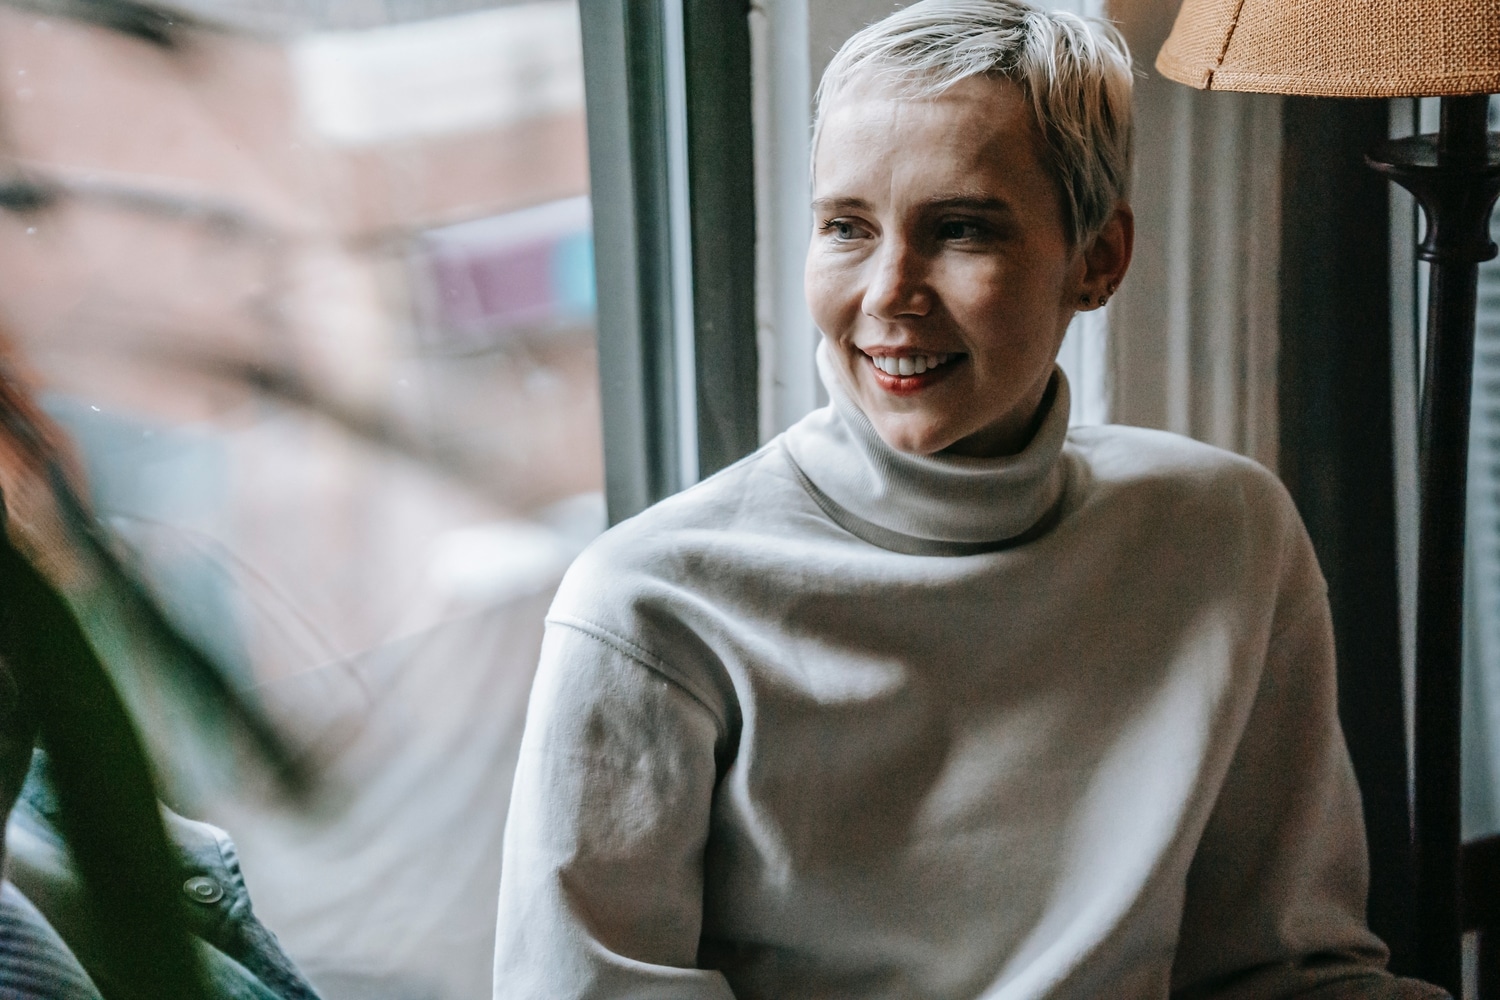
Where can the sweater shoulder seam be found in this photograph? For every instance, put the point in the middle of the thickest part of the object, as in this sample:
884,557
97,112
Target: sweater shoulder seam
1307,603
1289,621
645,658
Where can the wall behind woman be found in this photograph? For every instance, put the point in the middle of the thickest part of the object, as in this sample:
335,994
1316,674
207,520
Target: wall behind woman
1193,330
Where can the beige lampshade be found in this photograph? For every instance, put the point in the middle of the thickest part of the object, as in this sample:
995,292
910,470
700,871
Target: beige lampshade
1336,48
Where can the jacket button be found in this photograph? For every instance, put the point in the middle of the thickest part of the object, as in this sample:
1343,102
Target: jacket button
203,890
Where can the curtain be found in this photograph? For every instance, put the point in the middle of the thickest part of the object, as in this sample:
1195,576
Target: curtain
1193,329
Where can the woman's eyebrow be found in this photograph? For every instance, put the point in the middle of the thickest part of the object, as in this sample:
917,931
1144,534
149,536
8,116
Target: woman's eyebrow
970,203
964,202
824,205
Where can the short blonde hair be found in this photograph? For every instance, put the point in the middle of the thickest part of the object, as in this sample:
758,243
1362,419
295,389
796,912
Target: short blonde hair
1075,72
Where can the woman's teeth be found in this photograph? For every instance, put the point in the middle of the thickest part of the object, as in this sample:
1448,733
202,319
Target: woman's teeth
913,364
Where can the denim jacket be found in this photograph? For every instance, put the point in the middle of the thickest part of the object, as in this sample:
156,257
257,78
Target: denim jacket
45,948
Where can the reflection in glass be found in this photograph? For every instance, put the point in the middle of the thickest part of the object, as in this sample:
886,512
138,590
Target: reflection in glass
312,289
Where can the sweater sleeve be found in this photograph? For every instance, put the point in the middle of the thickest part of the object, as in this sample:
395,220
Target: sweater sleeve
601,894
1276,892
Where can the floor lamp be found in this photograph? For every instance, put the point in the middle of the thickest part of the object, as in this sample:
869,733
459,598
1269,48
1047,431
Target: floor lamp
1401,48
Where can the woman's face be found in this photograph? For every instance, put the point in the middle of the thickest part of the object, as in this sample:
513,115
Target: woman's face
938,237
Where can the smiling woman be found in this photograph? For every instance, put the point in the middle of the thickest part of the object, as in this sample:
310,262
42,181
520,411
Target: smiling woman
933,696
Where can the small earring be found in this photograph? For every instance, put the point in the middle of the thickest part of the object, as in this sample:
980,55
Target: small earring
1103,299
1084,299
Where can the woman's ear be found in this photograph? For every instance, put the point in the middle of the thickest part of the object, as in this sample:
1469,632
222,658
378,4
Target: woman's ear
1108,257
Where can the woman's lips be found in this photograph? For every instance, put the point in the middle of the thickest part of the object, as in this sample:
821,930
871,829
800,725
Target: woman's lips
905,385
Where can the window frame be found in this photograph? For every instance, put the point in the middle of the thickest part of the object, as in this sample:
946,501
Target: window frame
667,89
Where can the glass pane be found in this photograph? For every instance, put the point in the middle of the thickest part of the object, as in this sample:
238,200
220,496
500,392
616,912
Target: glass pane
312,288
1481,726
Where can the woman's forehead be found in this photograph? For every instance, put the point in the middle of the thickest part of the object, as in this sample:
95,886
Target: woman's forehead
979,126
872,85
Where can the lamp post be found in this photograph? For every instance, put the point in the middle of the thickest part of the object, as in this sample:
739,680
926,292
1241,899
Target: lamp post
1401,48
1455,175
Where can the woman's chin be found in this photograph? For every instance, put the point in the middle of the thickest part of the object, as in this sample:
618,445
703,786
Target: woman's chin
912,437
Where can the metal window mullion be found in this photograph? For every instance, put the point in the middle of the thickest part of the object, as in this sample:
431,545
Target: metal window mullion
680,229
625,89
721,173
672,166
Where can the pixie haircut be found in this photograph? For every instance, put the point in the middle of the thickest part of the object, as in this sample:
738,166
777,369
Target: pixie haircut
1074,71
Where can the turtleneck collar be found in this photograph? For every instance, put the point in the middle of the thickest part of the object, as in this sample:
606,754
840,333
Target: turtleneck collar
927,504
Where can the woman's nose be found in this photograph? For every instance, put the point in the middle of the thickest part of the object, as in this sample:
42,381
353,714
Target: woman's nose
898,283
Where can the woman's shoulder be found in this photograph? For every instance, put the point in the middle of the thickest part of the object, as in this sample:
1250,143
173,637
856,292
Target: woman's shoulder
1190,501
1119,459
664,583
747,496
1129,452
685,535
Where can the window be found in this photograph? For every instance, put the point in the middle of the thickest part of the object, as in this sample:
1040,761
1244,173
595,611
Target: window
312,287
1481,734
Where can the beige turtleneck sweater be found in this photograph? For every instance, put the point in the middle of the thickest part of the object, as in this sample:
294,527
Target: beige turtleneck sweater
845,722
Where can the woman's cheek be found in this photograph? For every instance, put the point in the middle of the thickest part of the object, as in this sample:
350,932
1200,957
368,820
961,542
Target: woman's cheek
829,296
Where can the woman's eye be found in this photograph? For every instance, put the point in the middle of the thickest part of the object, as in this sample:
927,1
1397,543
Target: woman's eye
839,229
958,229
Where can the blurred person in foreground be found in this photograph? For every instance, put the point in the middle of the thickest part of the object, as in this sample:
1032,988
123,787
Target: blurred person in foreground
932,697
